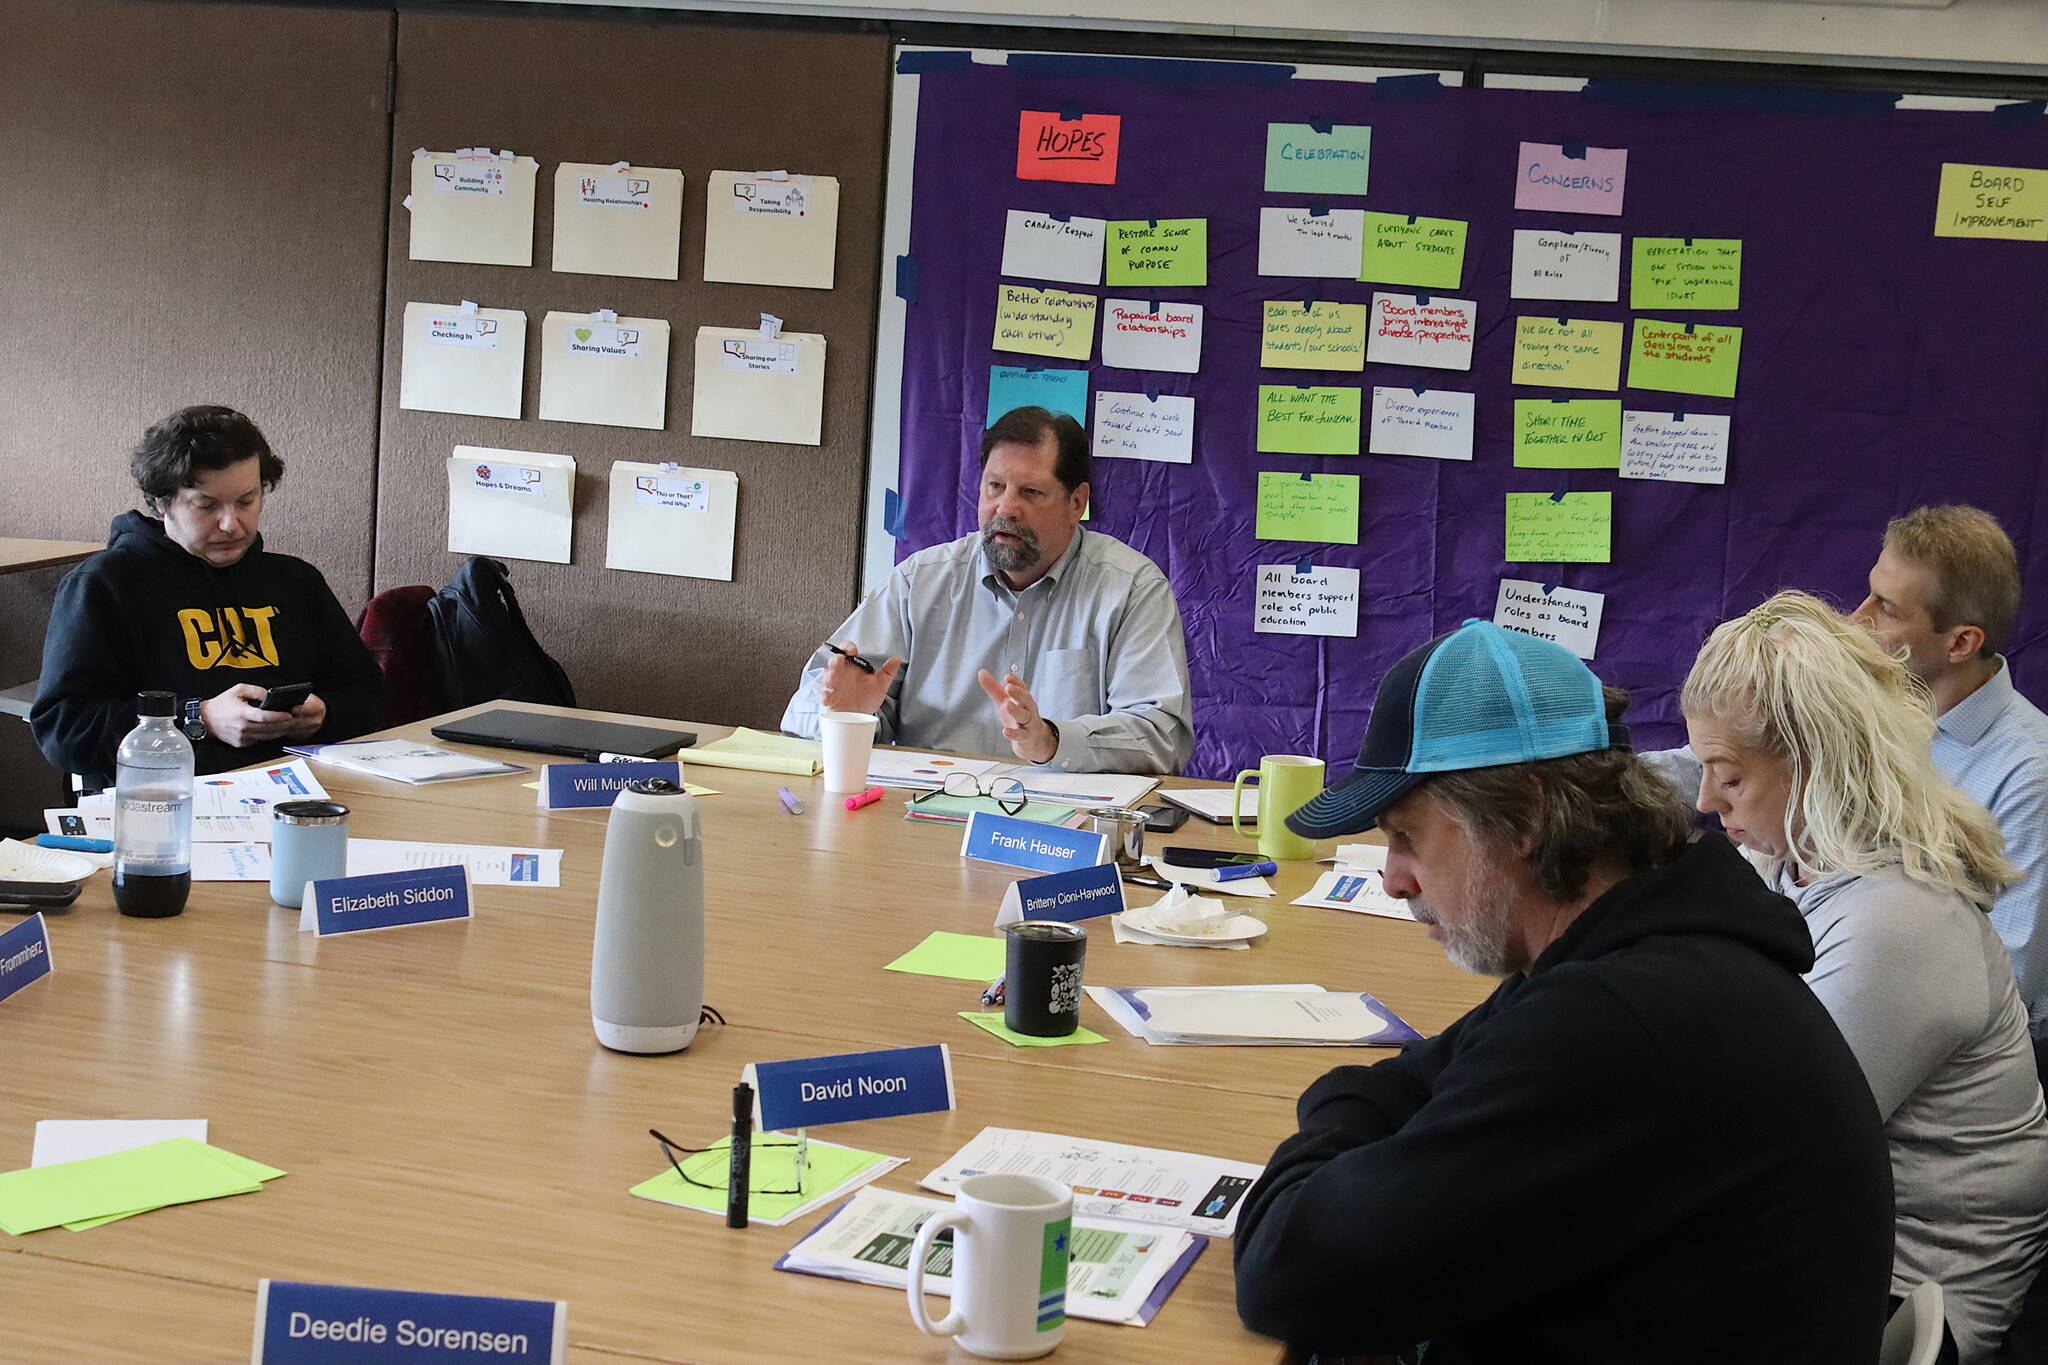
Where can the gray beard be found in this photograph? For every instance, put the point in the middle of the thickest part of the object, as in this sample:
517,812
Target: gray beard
1008,558
1478,943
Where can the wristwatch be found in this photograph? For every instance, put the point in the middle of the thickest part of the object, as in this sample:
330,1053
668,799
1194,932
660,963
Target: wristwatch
191,722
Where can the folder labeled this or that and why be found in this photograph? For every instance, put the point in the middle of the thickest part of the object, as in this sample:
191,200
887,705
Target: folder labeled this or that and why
668,519
458,357
604,369
512,504
618,219
770,227
753,387
473,205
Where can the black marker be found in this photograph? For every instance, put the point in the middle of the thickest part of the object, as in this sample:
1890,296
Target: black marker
739,1170
862,664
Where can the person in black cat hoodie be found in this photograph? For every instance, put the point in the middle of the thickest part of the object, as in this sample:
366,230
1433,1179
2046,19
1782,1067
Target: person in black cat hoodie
193,604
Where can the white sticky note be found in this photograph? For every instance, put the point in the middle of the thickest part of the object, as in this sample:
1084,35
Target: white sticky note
1551,264
1152,334
454,361
1422,329
1432,422
511,504
612,374
1682,448
1039,246
672,520
474,206
1565,616
1130,426
748,389
1323,601
1317,246
60,1140
627,222
759,229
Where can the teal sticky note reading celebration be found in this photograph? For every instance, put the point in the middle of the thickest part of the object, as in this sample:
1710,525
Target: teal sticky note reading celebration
1300,160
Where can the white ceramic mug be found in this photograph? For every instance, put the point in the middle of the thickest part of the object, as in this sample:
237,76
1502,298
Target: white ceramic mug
849,740
1010,1254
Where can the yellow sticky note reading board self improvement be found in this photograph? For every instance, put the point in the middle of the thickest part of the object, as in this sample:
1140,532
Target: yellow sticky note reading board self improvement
1313,336
1993,201
1044,322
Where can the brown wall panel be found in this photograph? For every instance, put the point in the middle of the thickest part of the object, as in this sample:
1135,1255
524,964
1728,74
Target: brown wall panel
659,92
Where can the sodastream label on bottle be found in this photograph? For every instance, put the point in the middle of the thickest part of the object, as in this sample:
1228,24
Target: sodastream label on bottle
151,835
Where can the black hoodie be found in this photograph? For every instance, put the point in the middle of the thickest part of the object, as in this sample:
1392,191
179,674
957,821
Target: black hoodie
1654,1146
146,614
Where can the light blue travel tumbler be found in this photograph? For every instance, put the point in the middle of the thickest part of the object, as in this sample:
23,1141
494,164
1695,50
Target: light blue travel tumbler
308,843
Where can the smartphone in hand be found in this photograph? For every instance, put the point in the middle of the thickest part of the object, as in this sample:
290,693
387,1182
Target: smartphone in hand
286,697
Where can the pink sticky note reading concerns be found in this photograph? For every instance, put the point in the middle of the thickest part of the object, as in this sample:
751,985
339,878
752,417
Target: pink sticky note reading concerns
1589,180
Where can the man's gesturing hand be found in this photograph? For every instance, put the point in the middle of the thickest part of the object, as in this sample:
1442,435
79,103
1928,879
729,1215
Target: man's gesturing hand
1017,712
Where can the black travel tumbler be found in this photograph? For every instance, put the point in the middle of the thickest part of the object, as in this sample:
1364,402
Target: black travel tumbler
1042,977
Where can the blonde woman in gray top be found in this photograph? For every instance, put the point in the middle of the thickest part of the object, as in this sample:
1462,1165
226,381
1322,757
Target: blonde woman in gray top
1813,743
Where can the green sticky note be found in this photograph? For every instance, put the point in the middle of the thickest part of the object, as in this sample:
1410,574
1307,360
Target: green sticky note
1300,160
1567,353
240,1165
1687,272
993,1022
1992,201
964,957
1401,248
1322,507
1544,529
956,809
174,1171
1684,357
1168,251
1577,433
1313,336
1044,322
1305,421
774,1187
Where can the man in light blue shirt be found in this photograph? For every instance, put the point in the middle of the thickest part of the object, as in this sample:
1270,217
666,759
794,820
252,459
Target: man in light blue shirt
1060,643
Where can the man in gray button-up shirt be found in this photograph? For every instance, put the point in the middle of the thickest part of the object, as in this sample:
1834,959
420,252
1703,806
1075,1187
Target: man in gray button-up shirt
1060,643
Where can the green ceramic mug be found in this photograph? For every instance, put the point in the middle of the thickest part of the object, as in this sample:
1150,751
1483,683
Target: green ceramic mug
1287,782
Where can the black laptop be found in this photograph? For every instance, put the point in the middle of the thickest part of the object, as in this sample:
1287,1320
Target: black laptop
577,738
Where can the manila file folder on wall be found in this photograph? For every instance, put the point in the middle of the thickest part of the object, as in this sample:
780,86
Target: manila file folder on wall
514,504
618,220
474,205
770,227
604,369
754,388
462,358
673,520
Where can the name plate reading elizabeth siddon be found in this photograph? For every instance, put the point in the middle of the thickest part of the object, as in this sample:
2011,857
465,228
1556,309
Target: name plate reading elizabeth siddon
1041,847
24,955
580,786
339,1324
850,1086
386,900
1066,896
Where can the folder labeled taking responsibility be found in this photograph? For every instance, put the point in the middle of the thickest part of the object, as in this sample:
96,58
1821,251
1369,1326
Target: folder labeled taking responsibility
672,520
753,388
604,369
618,220
770,227
511,504
458,357
472,205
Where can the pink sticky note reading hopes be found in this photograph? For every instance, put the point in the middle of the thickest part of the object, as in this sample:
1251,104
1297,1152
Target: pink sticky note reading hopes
1571,179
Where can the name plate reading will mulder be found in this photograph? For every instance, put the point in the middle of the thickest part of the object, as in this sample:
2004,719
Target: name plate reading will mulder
24,955
579,786
1029,843
852,1085
386,900
339,1324
1067,896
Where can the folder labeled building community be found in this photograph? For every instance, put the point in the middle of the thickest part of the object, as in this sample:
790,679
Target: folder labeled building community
473,205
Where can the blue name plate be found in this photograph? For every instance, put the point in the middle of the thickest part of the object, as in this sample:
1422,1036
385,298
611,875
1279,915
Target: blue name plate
853,1085
1081,894
386,900
1028,843
24,955
338,1324
580,786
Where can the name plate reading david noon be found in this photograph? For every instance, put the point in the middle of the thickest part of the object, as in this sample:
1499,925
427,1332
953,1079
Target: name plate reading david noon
580,786
338,1324
386,900
852,1085
1067,896
24,955
1005,839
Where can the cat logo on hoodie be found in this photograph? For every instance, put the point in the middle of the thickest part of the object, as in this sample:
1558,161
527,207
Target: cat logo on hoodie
229,637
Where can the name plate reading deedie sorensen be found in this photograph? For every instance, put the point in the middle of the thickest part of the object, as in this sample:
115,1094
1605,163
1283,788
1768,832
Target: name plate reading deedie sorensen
386,900
338,1324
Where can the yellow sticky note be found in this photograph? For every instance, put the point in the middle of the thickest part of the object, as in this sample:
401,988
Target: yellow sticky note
1313,336
1572,433
1402,248
1544,528
1567,353
1045,322
1685,357
1322,507
1992,201
1168,251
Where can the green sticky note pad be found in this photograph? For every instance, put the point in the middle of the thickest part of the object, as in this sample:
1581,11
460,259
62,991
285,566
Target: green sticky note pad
1323,507
1682,357
1401,248
1543,529
1686,272
964,957
1166,251
240,1165
1305,421
773,1184
1991,201
1567,353
992,1021
1578,433
1300,160
1313,336
174,1171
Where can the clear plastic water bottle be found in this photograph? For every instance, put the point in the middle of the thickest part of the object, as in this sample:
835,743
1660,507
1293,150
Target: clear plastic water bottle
153,812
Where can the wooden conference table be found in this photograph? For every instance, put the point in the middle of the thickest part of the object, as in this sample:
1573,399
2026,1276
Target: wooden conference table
450,1124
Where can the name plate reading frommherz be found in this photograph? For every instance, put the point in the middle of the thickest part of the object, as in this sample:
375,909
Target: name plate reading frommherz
852,1085
24,955
338,1324
386,900
1067,896
580,786
1041,847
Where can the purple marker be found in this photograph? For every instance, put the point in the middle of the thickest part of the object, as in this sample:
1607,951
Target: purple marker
789,801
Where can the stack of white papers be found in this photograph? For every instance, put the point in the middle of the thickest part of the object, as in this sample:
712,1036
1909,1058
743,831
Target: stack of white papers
1111,1180
1253,1016
1356,883
404,760
928,772
1213,803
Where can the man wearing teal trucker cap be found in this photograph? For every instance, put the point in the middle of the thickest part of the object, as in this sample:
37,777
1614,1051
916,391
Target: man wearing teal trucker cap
1650,1143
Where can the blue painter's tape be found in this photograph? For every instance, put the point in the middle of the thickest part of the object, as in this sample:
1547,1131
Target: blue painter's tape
892,513
1573,151
906,278
1170,71
1756,98
1306,564
2019,111
1408,87
929,63
1560,495
1321,126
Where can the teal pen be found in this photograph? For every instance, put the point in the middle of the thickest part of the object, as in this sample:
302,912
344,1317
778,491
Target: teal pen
1242,870
75,843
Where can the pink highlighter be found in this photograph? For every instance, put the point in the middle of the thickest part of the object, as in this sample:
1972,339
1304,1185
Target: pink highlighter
866,798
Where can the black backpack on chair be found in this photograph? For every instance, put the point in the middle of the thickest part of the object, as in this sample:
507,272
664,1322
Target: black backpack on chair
483,648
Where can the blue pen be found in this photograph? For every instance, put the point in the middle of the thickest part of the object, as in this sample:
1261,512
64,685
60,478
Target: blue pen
789,801
1242,870
76,844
